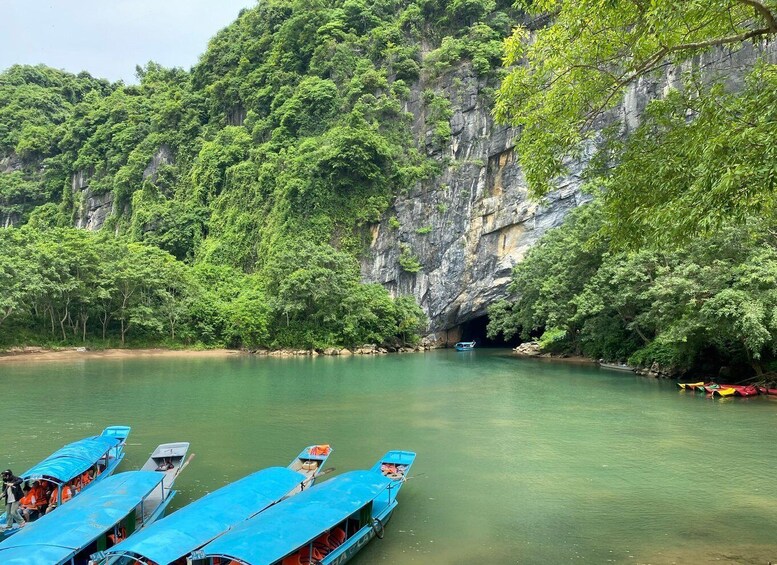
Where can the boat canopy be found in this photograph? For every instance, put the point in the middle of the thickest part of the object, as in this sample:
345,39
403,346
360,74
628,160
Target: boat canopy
56,537
72,460
282,529
191,527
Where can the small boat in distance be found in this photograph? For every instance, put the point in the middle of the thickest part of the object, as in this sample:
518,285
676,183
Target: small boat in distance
326,525
465,345
175,536
75,467
616,366
99,518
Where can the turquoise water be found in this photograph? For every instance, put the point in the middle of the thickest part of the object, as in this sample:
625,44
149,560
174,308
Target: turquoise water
519,461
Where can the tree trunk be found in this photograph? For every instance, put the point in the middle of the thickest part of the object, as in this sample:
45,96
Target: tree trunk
62,324
84,318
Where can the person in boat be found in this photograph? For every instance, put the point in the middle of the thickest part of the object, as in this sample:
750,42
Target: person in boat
67,494
116,536
12,492
34,501
86,478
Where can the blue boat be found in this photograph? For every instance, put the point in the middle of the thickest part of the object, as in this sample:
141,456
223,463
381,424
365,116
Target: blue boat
107,512
465,346
174,537
327,524
98,456
310,462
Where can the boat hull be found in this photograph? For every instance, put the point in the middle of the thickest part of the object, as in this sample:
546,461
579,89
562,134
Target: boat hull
616,367
350,548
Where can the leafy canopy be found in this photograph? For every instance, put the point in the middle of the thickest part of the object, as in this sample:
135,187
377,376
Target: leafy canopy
564,76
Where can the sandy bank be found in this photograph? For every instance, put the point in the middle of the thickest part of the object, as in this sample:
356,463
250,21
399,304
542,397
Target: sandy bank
36,354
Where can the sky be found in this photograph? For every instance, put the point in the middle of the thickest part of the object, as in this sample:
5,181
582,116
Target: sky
107,38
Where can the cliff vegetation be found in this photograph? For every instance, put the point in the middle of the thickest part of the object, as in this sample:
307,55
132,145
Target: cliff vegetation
232,200
674,260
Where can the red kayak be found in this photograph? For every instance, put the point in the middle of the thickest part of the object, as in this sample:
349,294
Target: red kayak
749,390
769,391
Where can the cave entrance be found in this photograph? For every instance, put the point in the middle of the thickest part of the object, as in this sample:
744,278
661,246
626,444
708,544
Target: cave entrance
475,329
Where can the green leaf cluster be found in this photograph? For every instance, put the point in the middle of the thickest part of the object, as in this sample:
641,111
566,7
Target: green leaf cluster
63,285
709,298
574,61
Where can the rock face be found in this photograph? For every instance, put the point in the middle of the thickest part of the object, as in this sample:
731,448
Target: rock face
93,208
8,164
473,223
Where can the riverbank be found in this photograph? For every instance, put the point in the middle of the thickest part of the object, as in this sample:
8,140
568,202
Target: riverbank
25,354
531,350
31,353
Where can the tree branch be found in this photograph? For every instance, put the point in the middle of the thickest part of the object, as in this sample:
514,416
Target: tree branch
653,62
764,11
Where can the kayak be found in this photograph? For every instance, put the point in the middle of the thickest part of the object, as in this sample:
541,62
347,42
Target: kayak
689,386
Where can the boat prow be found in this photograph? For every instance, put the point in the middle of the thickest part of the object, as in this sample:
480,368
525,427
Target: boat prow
310,463
169,459
395,465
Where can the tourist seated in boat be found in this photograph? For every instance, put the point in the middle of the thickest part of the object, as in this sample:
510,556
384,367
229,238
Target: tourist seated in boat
87,477
54,497
34,501
116,536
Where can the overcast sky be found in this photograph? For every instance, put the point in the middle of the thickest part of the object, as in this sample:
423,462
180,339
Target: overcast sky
108,38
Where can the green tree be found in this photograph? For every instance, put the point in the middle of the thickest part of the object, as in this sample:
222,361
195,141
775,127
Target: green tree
580,64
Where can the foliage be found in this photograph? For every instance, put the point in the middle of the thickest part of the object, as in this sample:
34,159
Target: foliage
407,261
713,294
65,285
676,177
565,77
579,66
289,133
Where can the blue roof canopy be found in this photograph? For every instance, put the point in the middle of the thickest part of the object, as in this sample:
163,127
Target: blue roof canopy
279,530
73,459
194,525
56,537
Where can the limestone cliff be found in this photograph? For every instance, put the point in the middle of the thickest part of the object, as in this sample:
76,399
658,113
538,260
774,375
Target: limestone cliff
472,224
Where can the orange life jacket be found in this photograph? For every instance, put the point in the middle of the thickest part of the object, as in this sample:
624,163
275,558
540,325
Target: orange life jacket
320,450
34,498
67,493
117,535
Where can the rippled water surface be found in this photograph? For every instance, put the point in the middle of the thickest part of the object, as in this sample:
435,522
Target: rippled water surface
519,461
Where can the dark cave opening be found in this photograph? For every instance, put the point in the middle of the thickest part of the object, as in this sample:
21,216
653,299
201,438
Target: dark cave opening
476,329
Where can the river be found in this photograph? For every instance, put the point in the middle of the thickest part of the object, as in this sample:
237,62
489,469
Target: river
519,461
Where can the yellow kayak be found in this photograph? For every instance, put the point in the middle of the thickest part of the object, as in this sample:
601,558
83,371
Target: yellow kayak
725,392
690,386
